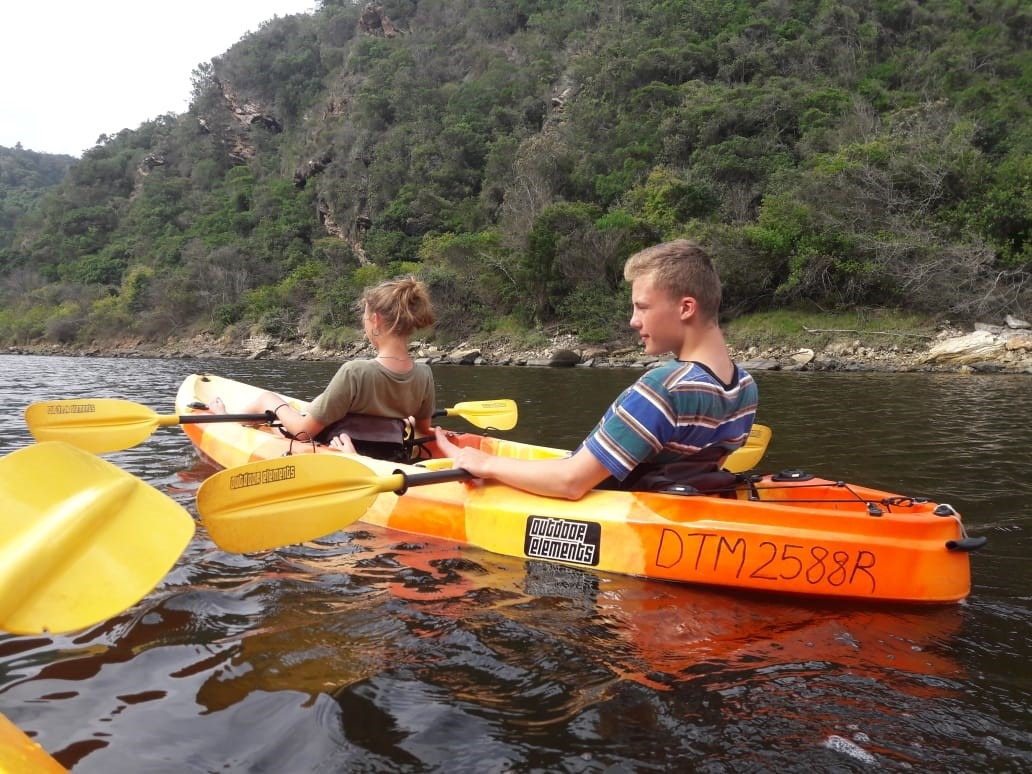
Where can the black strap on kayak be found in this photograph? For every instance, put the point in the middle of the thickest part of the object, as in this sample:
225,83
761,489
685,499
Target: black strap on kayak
293,438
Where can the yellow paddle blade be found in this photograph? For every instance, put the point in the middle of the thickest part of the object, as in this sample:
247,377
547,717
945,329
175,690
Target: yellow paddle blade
80,539
500,414
21,755
279,502
748,456
98,425
101,425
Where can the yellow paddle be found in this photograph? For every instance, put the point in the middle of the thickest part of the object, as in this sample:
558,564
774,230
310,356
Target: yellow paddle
101,425
499,414
21,755
278,502
272,503
80,539
748,457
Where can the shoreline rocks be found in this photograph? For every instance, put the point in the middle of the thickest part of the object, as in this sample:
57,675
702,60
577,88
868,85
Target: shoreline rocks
986,349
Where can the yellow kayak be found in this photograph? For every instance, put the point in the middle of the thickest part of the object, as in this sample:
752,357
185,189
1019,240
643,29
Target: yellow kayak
785,533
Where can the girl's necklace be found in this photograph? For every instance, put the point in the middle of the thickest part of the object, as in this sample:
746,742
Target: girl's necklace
392,357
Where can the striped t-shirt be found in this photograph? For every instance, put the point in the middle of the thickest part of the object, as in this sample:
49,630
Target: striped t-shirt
672,412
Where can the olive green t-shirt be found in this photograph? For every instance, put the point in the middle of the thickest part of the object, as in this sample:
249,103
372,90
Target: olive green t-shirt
367,387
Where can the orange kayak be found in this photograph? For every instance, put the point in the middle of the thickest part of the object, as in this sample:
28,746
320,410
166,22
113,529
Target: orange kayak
788,533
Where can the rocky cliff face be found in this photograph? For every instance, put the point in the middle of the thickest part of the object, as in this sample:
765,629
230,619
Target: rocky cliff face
374,21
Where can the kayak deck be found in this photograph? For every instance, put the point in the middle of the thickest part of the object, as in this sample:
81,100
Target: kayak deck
787,533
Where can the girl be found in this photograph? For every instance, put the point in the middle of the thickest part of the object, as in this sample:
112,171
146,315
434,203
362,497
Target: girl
368,402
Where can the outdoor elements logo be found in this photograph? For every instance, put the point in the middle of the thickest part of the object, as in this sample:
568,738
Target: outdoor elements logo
72,408
267,476
563,540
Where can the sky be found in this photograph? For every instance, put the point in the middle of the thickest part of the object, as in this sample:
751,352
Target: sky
72,70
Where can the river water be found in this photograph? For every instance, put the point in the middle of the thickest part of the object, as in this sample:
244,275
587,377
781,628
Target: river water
377,651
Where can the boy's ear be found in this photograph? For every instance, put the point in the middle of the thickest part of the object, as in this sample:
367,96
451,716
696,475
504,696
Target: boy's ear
689,306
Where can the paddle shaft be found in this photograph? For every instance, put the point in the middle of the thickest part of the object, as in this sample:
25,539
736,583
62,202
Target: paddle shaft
193,419
268,416
101,425
430,477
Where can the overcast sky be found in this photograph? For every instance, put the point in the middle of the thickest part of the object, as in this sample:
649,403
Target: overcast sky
72,70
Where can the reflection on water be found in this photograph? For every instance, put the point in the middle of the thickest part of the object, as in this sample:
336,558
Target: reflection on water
373,650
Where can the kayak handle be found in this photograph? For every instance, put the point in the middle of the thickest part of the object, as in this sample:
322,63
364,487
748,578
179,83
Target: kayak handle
967,545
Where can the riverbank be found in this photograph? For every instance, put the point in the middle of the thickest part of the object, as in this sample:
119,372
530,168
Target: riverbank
987,348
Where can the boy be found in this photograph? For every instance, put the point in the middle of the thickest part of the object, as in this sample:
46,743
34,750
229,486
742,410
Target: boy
677,420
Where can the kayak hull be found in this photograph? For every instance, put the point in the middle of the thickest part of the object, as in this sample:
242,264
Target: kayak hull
803,535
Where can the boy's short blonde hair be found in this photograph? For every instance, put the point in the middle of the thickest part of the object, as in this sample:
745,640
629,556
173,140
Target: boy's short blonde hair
681,268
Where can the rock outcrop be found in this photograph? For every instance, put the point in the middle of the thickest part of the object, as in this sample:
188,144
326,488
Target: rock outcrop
1005,345
376,23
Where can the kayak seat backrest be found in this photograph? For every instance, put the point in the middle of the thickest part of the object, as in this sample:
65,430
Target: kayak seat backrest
700,471
384,438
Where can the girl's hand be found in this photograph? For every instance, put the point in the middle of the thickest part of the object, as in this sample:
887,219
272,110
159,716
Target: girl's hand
343,442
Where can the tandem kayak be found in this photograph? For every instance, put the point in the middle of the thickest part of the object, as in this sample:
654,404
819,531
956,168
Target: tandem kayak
787,532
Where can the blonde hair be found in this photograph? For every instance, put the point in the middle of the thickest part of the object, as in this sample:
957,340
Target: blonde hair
681,268
403,303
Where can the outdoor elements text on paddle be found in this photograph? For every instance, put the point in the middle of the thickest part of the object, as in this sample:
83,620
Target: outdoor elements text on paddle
80,540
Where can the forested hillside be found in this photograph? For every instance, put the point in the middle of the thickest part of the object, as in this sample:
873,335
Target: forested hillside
855,153
25,176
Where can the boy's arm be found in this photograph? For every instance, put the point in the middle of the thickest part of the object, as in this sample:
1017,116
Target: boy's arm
567,477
